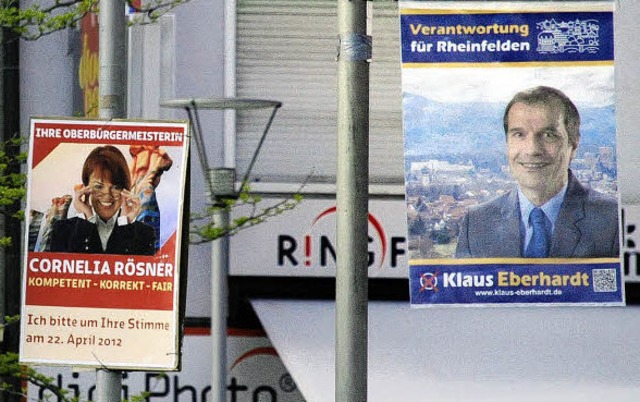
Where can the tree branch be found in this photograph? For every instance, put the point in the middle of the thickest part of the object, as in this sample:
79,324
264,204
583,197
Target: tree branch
47,17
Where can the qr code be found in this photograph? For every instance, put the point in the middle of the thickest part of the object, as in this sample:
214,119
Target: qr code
604,280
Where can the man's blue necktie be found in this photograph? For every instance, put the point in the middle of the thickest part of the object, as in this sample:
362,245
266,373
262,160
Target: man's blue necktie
539,244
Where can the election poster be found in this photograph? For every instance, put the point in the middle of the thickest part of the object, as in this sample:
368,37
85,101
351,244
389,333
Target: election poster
510,153
101,264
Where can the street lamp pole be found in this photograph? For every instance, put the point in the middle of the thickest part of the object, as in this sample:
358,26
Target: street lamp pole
352,202
221,184
113,82
113,55
219,308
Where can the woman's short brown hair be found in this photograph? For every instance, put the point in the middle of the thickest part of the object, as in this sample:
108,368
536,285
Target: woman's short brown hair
107,158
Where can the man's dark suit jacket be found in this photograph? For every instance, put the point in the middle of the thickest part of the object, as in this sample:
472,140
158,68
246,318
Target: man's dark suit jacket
77,235
587,226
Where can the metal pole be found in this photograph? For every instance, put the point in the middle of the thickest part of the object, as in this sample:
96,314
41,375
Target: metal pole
113,56
352,202
108,385
112,86
219,272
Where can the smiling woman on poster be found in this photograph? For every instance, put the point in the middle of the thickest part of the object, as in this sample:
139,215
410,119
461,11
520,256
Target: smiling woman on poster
550,214
107,211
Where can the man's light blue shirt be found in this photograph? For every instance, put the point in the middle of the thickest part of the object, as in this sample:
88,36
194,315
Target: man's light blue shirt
551,209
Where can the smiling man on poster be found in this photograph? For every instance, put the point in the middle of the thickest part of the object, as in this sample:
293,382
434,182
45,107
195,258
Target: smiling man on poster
550,214
516,182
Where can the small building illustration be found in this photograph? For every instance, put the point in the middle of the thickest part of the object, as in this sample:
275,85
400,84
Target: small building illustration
578,36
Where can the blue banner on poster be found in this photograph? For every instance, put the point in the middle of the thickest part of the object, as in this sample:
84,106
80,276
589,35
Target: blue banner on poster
511,283
506,37
510,153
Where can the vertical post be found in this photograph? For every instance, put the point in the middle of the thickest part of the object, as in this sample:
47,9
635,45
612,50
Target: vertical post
113,56
219,264
352,202
221,182
112,86
108,386
219,373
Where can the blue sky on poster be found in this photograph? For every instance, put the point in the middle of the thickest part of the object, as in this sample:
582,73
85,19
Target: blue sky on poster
587,86
460,110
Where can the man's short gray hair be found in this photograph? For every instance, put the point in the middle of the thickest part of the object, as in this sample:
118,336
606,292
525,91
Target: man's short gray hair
553,98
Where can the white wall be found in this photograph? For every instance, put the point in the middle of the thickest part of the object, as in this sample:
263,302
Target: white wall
500,354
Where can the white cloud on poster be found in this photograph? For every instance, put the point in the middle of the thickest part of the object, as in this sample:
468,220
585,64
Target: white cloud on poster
586,86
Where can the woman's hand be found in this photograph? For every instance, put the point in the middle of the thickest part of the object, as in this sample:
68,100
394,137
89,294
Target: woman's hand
81,201
131,205
59,208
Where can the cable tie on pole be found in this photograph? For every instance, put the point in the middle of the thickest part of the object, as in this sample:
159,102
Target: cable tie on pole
355,47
